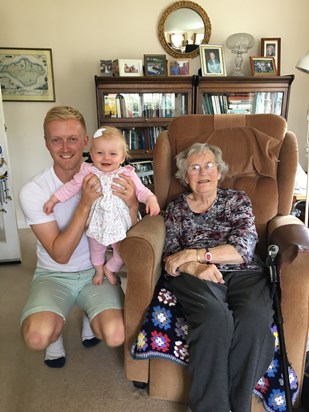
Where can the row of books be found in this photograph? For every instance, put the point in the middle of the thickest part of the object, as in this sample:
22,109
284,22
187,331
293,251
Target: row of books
243,103
128,105
142,138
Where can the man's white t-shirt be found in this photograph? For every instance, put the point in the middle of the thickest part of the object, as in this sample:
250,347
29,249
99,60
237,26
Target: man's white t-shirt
32,197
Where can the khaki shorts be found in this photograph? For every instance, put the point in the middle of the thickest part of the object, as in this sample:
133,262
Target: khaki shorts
57,292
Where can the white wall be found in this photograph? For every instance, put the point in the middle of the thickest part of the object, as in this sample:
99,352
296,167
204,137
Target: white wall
82,33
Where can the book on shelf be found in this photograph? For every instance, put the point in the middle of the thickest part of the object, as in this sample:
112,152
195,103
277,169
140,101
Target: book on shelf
127,105
121,106
141,138
109,105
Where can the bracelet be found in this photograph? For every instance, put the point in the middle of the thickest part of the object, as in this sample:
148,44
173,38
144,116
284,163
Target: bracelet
198,256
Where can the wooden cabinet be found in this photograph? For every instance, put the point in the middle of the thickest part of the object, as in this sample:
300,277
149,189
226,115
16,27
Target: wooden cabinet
143,106
249,95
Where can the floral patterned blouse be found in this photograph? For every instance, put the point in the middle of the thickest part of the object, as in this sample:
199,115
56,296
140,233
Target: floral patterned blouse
229,220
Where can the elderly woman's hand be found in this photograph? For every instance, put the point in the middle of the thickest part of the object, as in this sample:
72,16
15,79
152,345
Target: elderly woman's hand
209,272
201,271
173,262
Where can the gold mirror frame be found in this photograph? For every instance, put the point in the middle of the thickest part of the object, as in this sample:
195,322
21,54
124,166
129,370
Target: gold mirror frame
183,5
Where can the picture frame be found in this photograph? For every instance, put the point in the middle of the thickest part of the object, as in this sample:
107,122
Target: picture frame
212,60
128,67
179,67
155,65
263,66
106,68
271,47
26,75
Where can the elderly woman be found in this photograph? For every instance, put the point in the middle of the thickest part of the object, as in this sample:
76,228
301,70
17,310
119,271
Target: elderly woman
222,287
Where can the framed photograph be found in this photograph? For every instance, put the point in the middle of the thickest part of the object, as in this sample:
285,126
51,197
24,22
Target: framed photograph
128,67
272,48
155,65
212,60
106,68
179,67
26,75
263,66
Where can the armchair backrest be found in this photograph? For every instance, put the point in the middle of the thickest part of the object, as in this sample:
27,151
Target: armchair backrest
261,154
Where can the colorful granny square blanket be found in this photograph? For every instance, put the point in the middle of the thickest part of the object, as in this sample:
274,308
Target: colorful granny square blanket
163,334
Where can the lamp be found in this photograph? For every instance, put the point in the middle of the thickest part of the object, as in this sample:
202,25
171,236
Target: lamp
239,43
303,65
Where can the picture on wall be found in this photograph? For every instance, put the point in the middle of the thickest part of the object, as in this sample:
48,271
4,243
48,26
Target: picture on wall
271,47
212,60
263,66
179,67
26,75
155,65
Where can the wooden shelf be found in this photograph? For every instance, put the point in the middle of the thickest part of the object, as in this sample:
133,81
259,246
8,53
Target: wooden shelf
146,105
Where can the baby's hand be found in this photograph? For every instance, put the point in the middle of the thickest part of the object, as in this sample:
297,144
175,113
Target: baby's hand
48,207
152,206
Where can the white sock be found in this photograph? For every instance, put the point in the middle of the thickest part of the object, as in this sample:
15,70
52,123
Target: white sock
87,331
55,350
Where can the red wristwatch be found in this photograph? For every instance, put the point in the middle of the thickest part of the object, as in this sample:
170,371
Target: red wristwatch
208,256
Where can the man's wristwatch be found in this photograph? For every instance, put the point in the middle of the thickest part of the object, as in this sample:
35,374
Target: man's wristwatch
208,256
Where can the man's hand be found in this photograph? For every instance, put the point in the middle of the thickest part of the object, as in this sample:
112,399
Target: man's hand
91,190
126,192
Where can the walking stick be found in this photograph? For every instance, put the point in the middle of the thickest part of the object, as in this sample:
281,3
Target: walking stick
271,263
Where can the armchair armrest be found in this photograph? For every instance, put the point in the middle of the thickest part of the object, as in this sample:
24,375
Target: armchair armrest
290,235
141,252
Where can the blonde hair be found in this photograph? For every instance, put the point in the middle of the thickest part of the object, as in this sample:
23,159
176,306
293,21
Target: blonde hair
64,113
110,133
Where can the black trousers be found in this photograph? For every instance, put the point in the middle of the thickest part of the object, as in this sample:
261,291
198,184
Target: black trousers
230,338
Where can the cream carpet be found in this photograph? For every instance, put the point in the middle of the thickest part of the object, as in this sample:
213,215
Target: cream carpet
92,379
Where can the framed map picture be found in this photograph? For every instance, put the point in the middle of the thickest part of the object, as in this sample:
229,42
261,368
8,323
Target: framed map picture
27,75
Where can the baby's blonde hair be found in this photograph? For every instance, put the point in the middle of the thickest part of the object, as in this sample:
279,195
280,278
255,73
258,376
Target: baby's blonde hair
109,133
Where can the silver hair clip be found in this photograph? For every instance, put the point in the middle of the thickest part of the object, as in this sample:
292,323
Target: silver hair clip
99,132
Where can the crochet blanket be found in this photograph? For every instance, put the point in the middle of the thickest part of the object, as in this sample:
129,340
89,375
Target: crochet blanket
163,334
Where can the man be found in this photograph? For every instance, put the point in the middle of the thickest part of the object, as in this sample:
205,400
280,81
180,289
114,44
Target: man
63,276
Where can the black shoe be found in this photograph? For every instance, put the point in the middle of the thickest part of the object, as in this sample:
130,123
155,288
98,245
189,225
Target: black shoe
89,343
55,363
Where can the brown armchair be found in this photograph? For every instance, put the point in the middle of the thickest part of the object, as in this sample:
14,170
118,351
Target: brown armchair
262,157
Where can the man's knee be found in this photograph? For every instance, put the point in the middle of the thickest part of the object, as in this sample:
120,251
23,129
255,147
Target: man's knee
111,330
38,335
115,339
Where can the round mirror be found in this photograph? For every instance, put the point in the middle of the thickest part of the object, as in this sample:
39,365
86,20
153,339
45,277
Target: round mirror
183,26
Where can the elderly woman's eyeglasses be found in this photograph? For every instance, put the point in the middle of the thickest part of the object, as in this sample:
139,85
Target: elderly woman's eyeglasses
196,169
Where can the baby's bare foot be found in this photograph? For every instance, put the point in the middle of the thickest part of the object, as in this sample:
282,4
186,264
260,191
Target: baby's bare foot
112,277
97,279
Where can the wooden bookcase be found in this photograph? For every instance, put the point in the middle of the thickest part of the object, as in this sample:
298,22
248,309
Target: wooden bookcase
142,107
250,95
